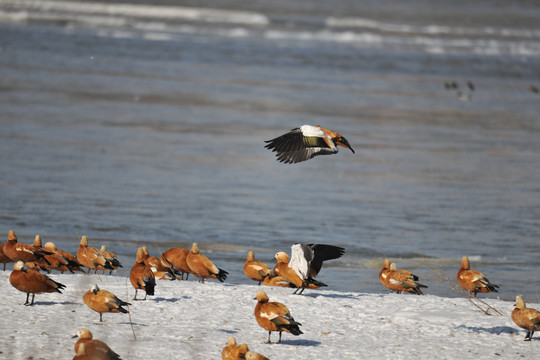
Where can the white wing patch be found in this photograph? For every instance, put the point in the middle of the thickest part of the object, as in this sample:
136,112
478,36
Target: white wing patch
298,262
309,130
269,316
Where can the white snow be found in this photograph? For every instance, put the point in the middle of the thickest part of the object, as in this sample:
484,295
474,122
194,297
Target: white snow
190,320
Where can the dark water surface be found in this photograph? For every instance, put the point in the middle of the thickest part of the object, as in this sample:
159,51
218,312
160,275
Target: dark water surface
135,124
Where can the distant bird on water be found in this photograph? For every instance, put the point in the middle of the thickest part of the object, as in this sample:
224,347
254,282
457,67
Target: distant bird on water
305,142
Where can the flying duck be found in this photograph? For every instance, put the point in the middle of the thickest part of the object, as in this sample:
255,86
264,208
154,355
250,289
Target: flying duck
305,142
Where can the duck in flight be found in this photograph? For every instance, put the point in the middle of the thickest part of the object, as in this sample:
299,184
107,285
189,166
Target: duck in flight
305,142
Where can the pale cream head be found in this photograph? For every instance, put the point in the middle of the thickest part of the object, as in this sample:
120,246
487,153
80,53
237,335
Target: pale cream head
520,303
282,257
261,296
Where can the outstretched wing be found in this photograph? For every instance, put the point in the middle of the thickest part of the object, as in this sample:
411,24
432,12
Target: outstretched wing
295,146
323,252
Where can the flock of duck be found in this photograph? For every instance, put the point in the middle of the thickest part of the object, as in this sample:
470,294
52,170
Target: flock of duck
297,271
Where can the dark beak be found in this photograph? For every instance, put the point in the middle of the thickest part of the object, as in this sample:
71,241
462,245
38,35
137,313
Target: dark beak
74,336
343,142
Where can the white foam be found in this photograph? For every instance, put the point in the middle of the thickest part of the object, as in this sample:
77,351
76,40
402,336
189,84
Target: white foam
142,11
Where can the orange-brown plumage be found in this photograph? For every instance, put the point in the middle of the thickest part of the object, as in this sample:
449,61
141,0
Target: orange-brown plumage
162,269
526,318
141,276
103,301
95,349
282,269
274,316
72,265
51,261
17,251
177,257
202,267
383,274
232,351
256,270
251,355
472,280
402,281
91,257
276,280
111,258
4,259
32,282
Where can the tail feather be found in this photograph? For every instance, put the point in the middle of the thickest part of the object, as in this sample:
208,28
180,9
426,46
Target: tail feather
222,275
149,285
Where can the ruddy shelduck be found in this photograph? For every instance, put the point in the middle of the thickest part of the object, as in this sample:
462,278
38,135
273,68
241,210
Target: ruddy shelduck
177,257
103,301
305,142
162,269
91,257
73,263
232,351
202,267
472,280
111,258
402,281
141,276
93,347
17,251
252,355
256,270
526,318
274,316
51,261
276,280
283,269
32,282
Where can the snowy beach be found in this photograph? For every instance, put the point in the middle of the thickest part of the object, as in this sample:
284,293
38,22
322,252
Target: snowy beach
138,122
190,320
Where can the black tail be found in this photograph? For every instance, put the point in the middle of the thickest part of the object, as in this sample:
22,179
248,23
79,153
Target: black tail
59,286
310,280
149,285
293,328
115,263
221,275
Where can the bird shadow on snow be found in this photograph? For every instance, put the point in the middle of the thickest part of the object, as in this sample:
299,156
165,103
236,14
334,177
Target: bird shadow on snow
54,303
492,330
172,300
334,296
301,342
